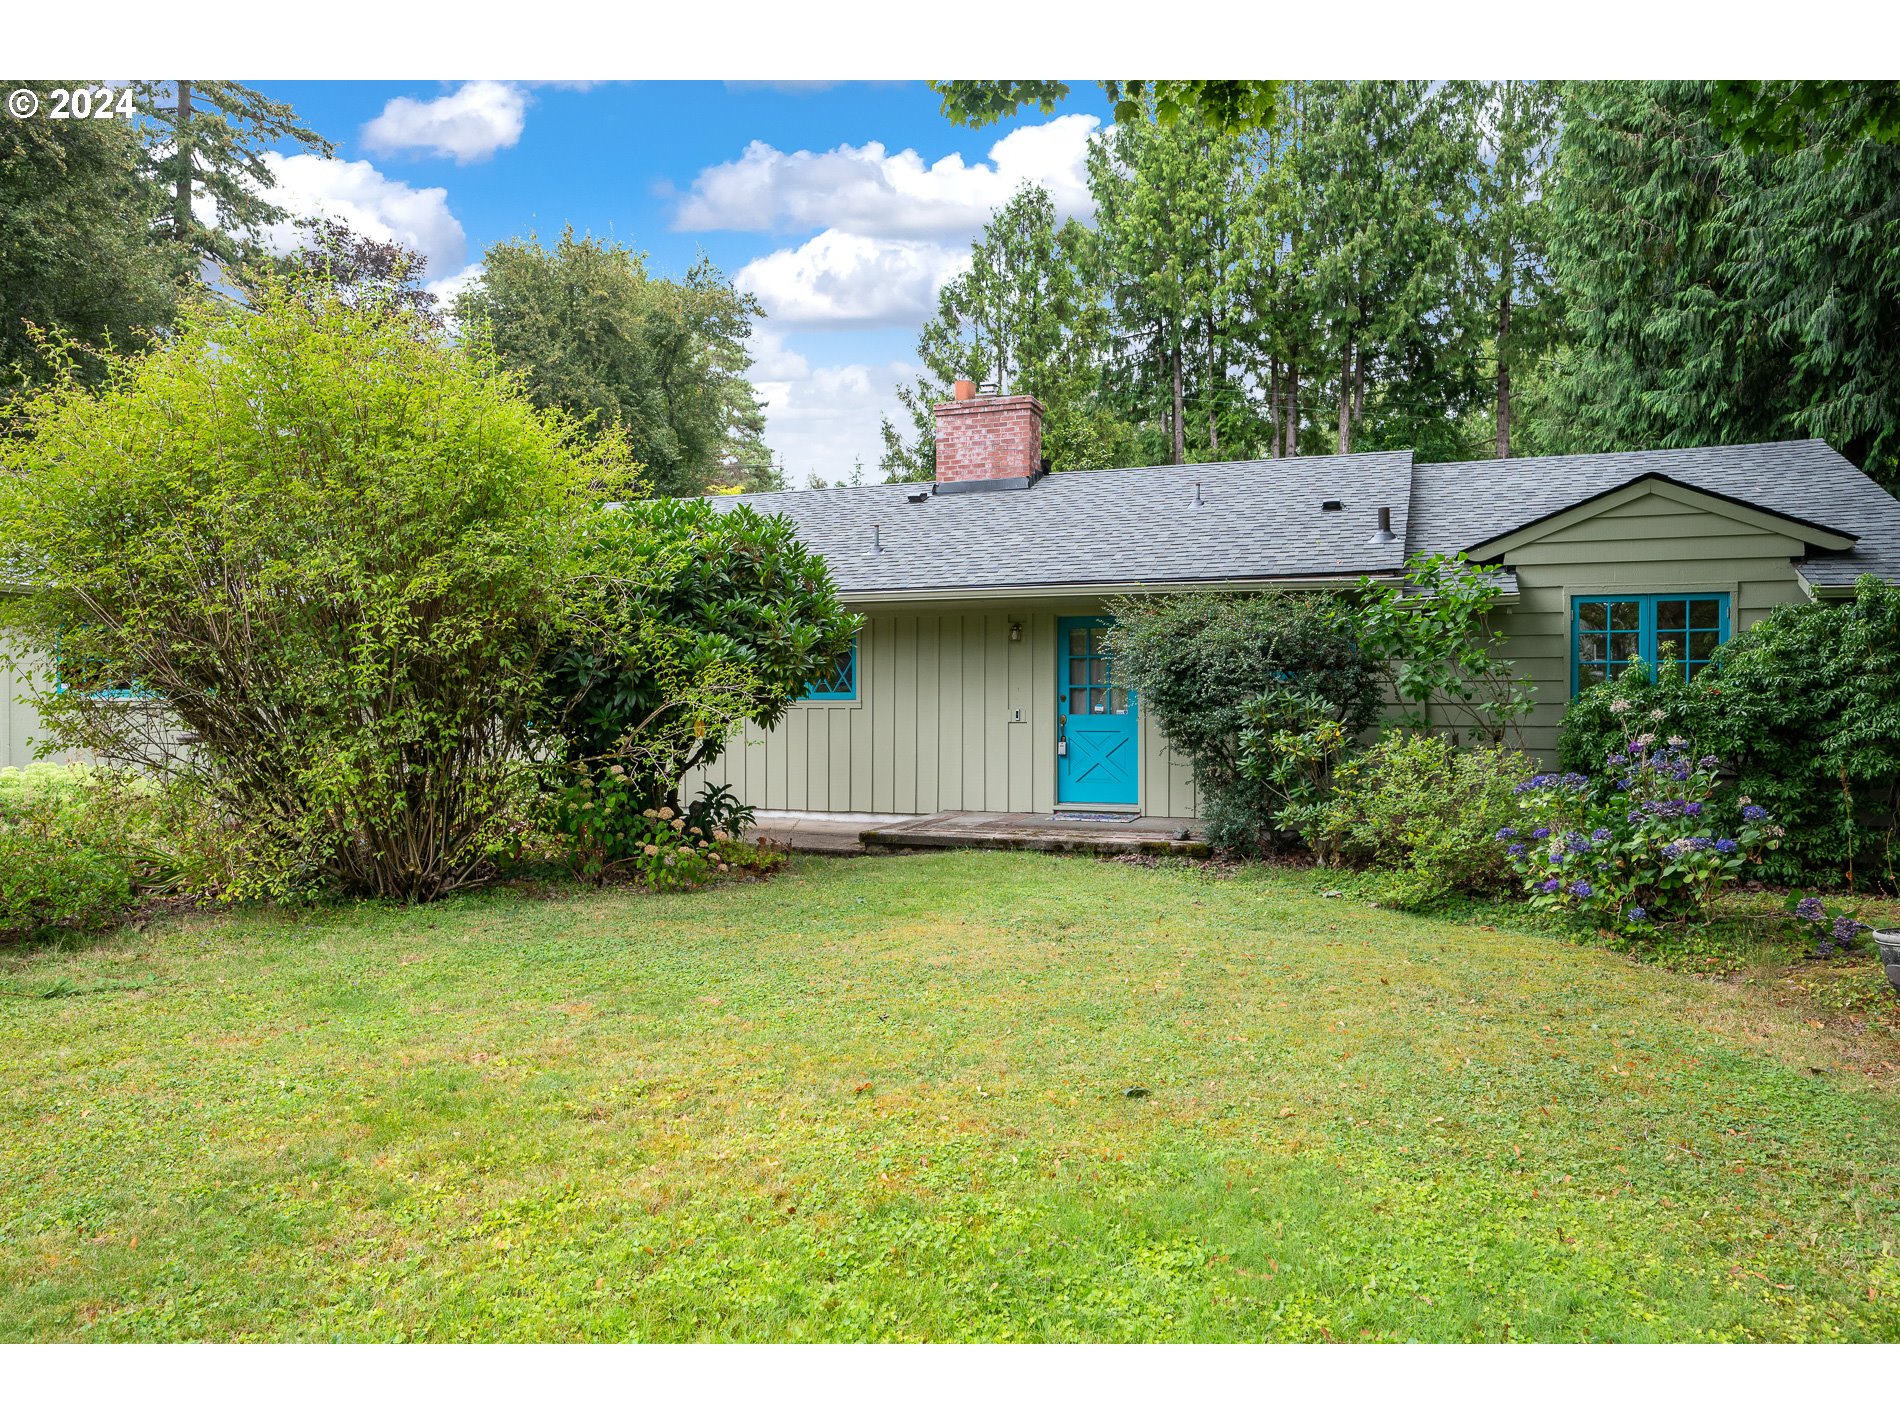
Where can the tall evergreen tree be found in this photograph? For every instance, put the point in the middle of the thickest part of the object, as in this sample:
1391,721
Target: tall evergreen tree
205,145
1514,125
1027,316
76,252
1384,164
1721,294
1171,266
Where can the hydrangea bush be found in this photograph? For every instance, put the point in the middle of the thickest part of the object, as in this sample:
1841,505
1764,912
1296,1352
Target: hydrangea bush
1643,846
1833,931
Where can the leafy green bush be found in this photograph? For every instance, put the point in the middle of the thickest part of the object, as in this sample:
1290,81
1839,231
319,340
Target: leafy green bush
613,829
47,883
1803,711
730,619
77,844
1433,641
329,550
1200,662
1416,805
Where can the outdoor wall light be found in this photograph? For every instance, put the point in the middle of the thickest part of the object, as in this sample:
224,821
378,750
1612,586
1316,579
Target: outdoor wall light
1015,633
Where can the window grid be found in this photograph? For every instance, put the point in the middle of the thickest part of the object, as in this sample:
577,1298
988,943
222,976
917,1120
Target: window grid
842,685
1090,676
1609,631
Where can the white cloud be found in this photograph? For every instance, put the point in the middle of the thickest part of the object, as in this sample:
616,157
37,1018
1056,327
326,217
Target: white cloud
447,289
772,360
469,125
821,419
872,191
374,207
846,279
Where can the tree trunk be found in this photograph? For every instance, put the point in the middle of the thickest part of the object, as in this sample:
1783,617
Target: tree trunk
1180,429
1293,408
1216,368
181,141
1276,430
1504,374
1345,400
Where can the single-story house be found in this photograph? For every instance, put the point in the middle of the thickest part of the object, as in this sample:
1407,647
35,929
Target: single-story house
978,683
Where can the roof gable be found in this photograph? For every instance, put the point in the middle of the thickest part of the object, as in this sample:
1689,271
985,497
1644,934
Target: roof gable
1743,511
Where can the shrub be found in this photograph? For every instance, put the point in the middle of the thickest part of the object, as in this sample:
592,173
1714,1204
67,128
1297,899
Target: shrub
48,883
1200,663
76,846
330,550
1647,846
1803,709
1416,805
613,829
730,619
1433,642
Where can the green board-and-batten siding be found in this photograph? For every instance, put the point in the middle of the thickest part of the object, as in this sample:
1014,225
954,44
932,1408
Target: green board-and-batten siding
19,724
933,727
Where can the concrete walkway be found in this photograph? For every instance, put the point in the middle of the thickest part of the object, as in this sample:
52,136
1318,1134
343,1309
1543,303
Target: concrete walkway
839,835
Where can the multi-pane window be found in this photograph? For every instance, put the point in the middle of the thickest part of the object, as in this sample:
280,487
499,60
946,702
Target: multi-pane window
1091,685
1610,631
842,685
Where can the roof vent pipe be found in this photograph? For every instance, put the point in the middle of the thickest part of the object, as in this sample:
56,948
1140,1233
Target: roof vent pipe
1383,534
877,539
1198,501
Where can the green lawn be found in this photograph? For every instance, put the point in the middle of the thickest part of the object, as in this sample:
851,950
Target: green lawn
887,1099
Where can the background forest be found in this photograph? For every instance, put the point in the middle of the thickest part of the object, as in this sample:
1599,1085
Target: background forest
1468,269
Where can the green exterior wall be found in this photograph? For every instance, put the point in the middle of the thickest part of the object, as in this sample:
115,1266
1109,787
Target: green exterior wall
1653,544
18,722
951,715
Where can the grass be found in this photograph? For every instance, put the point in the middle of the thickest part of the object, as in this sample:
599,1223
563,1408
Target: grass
967,1096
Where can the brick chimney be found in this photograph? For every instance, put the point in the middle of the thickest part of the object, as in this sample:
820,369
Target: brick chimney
987,442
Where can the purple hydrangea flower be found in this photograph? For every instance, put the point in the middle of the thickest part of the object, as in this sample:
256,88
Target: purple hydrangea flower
1844,930
1754,813
1637,914
1516,851
1727,845
1549,887
1507,833
1602,833
1541,834
1709,764
1810,908
1582,890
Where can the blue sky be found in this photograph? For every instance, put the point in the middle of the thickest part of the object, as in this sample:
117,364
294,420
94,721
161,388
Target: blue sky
843,207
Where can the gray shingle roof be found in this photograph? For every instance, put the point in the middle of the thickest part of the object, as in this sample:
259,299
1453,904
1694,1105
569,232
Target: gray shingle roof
1261,519
1459,505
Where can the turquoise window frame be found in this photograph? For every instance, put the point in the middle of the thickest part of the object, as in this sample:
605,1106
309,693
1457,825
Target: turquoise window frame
1649,635
842,686
63,689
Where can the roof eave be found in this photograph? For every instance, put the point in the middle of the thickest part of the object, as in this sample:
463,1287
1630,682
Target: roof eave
1292,583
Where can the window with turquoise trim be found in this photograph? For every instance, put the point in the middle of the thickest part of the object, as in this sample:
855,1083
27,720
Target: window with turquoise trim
83,678
1610,631
842,685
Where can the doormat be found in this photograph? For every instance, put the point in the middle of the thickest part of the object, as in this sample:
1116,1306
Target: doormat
1098,816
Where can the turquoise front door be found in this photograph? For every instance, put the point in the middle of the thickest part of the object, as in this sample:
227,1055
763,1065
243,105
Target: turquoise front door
1098,732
